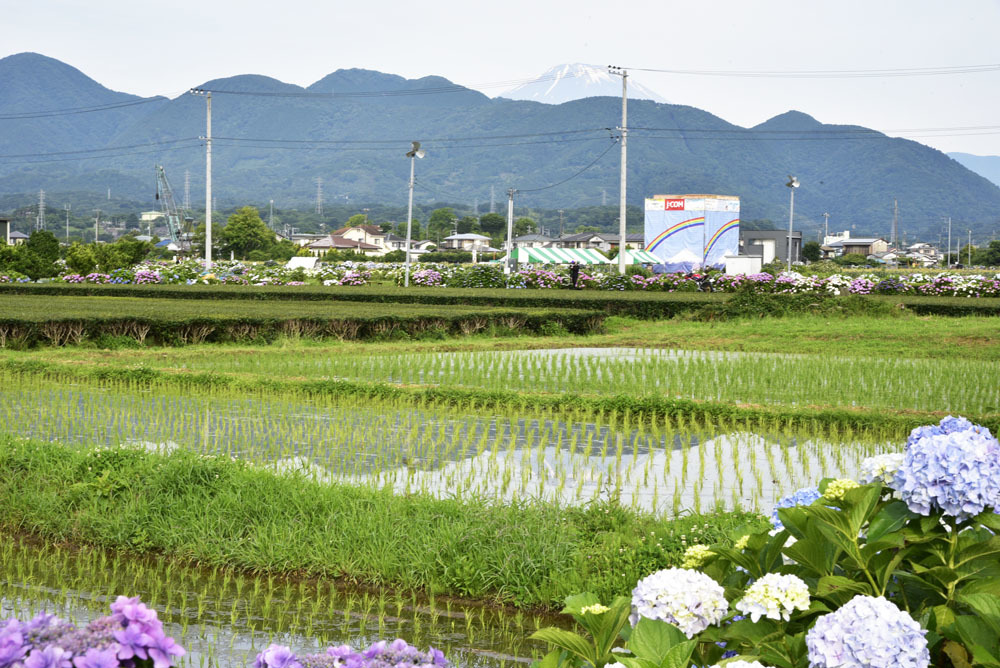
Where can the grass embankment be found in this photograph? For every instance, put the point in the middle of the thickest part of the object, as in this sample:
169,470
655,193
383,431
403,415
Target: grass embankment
29,319
221,512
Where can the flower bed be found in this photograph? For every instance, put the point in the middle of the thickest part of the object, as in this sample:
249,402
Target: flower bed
901,569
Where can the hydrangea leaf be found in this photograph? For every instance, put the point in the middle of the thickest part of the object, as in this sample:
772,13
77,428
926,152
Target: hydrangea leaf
652,639
987,607
839,589
890,518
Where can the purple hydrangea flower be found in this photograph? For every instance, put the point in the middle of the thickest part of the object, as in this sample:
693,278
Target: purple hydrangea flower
277,656
48,657
97,658
865,632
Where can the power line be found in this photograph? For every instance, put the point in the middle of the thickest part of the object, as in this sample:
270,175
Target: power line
100,150
559,183
77,110
111,155
832,74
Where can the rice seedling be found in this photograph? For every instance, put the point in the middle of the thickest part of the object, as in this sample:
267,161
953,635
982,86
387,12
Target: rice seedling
226,629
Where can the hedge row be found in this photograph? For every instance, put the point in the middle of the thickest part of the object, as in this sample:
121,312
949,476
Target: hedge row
112,331
636,304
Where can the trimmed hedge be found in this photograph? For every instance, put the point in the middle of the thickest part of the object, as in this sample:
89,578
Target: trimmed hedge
30,320
648,305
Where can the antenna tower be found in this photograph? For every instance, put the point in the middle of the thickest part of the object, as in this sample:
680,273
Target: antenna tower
319,195
604,197
40,223
895,219
187,190
493,201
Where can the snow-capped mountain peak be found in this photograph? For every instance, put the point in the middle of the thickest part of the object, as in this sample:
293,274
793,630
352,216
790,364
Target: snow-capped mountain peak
563,83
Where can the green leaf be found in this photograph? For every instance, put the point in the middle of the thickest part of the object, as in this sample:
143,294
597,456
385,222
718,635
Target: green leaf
652,639
569,641
986,606
989,549
891,518
989,519
679,655
577,602
813,553
745,631
553,659
839,589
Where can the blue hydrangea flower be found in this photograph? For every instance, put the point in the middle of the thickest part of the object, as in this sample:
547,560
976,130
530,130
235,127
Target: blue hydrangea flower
951,469
802,497
866,632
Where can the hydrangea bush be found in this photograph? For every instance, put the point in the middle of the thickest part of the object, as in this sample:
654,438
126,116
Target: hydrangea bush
900,569
131,636
397,654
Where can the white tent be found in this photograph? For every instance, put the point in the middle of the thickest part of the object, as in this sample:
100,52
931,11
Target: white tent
685,260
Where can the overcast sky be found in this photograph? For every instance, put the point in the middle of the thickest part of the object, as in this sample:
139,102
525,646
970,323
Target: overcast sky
164,48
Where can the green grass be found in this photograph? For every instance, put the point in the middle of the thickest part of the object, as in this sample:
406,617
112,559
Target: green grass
216,511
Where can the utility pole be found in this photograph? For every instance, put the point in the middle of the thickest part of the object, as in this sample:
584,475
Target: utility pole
948,260
826,226
560,222
208,173
67,207
270,218
319,195
97,220
509,266
623,73
493,200
970,248
895,219
187,190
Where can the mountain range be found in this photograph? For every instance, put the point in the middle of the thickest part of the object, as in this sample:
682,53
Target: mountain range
62,131
565,83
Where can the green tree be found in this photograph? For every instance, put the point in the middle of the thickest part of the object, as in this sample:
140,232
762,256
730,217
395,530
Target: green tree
80,259
989,256
468,224
492,223
811,251
851,260
580,229
523,226
441,223
244,232
44,244
357,220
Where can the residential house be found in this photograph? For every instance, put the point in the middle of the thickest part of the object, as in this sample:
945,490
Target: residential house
336,242
394,243
861,246
306,239
468,241
770,245
16,238
602,241
366,234
532,241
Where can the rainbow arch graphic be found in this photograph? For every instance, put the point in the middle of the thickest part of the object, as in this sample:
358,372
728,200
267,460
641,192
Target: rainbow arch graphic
674,229
732,224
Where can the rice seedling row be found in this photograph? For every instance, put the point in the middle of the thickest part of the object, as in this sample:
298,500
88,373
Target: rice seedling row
224,617
740,378
665,466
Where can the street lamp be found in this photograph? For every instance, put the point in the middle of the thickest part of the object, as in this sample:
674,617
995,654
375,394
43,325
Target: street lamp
412,154
792,184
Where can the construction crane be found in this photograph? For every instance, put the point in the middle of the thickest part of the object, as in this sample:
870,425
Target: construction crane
175,222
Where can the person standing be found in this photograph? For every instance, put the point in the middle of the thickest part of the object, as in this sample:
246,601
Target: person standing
574,273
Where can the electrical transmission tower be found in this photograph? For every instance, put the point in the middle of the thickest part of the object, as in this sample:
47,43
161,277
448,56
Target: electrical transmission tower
319,195
40,223
493,200
187,190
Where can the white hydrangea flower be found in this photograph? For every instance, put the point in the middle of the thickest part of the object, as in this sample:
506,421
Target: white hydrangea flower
774,596
696,556
881,467
595,609
836,489
689,600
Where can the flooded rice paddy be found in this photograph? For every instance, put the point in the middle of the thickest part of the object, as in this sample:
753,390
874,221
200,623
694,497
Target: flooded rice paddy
665,467
223,618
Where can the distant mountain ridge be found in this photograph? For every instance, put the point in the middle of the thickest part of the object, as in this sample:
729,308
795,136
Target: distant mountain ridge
987,166
565,83
352,128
